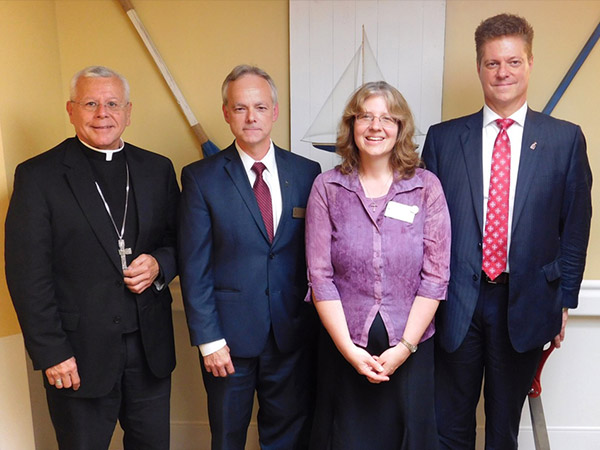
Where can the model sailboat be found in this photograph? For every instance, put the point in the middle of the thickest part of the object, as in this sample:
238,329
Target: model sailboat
362,68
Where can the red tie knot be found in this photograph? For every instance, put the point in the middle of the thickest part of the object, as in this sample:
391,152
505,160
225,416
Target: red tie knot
504,124
258,168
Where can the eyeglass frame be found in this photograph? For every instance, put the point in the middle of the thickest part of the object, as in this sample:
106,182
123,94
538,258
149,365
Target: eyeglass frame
367,118
113,108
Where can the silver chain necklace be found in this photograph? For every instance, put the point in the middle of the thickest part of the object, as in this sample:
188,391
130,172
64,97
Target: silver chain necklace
122,250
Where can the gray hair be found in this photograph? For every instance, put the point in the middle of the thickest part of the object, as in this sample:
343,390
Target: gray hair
97,72
245,69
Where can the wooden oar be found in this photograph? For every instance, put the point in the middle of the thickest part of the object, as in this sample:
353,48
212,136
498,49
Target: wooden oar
208,147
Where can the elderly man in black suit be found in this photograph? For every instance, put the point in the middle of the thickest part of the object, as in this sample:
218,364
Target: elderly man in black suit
90,250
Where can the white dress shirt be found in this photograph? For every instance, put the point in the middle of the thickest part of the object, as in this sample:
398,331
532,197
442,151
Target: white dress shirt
515,134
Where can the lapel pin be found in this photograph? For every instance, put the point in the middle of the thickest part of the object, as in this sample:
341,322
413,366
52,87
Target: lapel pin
533,146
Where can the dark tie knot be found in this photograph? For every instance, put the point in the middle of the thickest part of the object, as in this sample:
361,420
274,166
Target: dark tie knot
258,168
504,124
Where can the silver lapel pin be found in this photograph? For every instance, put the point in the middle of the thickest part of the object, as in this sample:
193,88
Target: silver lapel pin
533,146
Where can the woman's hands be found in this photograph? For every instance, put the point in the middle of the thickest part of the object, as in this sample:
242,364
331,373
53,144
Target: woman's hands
365,364
377,369
393,358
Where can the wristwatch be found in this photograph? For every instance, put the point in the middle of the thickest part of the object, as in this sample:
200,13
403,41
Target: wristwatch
411,348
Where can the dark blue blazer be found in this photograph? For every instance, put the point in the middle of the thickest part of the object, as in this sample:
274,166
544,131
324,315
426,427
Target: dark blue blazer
550,225
236,284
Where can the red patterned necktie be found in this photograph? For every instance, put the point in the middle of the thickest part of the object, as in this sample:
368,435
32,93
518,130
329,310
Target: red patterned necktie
263,197
495,236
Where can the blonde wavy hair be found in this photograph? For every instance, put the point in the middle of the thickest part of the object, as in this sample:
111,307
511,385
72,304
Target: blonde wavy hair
404,159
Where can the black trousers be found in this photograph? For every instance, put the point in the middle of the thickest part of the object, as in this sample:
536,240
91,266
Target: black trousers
139,400
485,354
354,414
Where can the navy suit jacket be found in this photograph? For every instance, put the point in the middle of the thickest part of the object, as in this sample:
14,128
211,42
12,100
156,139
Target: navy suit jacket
236,284
550,225
64,272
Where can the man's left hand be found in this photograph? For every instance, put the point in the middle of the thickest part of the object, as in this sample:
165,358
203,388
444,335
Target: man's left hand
561,336
141,273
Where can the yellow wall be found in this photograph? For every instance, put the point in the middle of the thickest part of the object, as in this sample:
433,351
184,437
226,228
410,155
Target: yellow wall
42,43
200,41
561,30
30,103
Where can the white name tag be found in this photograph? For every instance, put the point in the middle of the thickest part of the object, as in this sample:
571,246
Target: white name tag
400,211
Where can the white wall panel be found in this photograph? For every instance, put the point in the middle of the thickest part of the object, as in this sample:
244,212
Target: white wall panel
407,38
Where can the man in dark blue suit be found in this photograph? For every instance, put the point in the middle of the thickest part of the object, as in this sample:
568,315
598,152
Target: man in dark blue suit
243,273
518,188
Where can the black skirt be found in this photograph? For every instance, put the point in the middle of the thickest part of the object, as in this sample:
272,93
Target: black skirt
354,414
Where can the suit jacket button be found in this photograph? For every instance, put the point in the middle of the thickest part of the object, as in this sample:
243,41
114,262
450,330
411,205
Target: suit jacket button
119,283
272,255
479,245
475,277
267,291
117,320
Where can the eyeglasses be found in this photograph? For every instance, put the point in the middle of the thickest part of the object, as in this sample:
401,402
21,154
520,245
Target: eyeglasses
368,118
92,106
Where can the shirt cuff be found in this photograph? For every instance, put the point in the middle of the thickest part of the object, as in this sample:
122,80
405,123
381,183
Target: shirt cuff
433,290
212,347
159,282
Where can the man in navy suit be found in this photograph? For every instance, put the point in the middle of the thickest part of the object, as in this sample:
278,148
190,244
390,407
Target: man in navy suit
518,188
243,273
90,250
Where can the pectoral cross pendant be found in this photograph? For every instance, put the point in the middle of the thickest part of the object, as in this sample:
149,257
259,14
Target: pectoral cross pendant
122,252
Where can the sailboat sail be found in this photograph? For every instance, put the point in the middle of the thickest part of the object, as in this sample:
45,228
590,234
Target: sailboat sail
362,68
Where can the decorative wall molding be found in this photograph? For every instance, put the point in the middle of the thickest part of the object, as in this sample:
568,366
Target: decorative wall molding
589,298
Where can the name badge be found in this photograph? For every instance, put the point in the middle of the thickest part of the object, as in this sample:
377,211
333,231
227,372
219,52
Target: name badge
400,211
298,213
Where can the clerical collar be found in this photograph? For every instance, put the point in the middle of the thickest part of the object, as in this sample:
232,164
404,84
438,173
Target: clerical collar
108,153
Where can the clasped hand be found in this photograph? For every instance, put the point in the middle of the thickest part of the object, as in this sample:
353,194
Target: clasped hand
377,369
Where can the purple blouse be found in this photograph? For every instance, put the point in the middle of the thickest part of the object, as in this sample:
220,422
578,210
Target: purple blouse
377,262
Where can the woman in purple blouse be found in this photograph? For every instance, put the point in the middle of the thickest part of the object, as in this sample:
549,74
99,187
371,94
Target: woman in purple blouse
378,250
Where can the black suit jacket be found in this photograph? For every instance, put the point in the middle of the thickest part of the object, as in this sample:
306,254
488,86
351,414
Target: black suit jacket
236,284
63,270
550,225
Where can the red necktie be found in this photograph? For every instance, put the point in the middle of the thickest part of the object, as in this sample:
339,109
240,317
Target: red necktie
263,197
495,236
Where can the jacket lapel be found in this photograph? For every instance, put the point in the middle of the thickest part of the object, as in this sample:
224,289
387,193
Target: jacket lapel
531,147
471,144
235,169
141,182
80,178
286,181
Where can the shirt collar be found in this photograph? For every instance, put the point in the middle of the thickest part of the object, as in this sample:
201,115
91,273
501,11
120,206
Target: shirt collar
109,153
268,160
518,116
352,182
